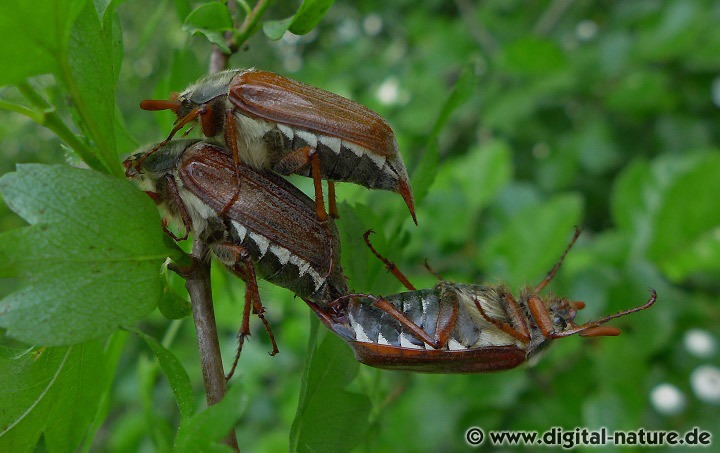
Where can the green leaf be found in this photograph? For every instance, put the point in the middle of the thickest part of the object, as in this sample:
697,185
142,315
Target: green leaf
171,305
532,56
211,20
361,267
686,236
275,29
175,372
605,410
457,197
661,204
68,40
629,197
204,430
354,259
329,418
424,174
89,76
701,256
55,391
642,93
34,36
308,15
532,240
91,256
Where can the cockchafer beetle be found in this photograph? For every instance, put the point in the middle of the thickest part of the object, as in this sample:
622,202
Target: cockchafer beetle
268,227
458,328
272,122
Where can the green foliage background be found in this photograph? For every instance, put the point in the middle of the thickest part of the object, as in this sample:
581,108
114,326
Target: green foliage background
517,121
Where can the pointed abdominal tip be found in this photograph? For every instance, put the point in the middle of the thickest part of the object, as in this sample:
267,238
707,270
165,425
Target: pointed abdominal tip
406,192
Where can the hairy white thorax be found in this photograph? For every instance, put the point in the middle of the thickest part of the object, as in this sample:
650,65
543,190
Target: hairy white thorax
252,147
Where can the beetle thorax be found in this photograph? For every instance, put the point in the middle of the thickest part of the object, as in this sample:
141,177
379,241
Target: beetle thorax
490,298
209,88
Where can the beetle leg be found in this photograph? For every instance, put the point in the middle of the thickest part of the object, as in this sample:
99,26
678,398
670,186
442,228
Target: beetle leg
382,304
182,122
446,320
517,316
207,121
293,161
555,268
331,266
317,182
179,124
231,139
417,331
541,316
171,234
432,271
332,203
322,314
520,332
232,201
175,198
243,266
389,265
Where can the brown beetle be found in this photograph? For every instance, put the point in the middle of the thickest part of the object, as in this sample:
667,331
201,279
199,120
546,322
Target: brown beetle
272,122
458,328
269,227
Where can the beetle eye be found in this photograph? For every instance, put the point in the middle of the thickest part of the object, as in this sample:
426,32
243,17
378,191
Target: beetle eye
560,322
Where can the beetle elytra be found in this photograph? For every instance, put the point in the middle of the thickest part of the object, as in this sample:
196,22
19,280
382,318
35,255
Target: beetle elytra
272,122
268,228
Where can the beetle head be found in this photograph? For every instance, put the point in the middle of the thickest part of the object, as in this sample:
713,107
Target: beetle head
151,163
563,314
204,91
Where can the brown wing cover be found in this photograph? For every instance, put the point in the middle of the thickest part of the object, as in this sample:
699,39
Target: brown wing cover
281,100
266,204
480,360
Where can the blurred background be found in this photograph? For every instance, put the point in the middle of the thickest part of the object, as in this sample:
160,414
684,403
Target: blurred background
598,114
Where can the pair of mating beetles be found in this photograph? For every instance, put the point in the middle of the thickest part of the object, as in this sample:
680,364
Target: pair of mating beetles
225,191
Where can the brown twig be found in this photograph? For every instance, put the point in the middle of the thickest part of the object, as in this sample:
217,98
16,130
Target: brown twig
218,58
198,276
197,282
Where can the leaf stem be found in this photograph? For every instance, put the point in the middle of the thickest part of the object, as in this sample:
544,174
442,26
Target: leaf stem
104,148
248,25
46,116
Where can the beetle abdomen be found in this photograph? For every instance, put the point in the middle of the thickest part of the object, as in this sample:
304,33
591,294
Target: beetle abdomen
372,325
428,309
277,264
340,160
